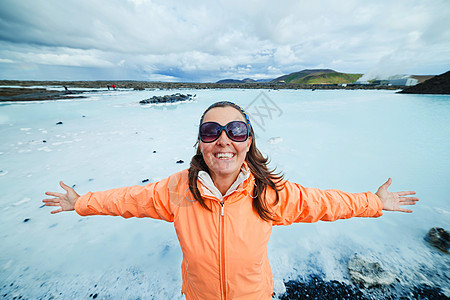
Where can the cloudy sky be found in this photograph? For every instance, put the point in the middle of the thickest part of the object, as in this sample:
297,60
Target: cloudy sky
205,41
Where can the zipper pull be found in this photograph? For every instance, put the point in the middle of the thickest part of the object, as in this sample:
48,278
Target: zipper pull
221,208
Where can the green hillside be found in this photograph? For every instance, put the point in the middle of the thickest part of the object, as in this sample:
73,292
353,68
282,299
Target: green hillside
318,76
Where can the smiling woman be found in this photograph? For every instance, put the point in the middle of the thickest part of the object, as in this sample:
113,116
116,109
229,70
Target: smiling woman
212,157
224,207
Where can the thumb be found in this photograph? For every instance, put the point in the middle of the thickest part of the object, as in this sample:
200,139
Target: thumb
64,186
387,183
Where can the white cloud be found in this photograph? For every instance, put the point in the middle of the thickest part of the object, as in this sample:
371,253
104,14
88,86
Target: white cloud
284,55
63,57
194,39
160,77
78,60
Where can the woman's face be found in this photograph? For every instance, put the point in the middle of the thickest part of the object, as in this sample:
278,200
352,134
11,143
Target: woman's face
224,157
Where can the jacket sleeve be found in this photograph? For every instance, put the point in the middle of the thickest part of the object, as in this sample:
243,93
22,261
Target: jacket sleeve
300,204
152,200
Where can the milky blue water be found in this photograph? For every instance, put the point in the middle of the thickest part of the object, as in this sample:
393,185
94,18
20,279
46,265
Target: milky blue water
349,140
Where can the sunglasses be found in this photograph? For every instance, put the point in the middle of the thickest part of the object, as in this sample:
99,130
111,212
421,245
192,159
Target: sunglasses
237,131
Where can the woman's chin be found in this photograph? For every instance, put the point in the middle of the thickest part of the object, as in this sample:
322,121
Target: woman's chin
225,170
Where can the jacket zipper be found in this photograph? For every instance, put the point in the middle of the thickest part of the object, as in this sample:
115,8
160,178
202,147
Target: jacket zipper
222,250
221,208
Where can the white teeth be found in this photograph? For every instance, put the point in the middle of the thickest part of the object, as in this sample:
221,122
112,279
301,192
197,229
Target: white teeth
224,155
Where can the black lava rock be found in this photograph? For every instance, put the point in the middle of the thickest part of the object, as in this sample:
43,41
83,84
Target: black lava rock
59,123
430,293
180,161
319,289
145,180
26,220
439,238
167,99
437,85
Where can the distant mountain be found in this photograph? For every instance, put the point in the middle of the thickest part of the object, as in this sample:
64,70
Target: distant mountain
229,81
311,76
246,80
437,85
317,76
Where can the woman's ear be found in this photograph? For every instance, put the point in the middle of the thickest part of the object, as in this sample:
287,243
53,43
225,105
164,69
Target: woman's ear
249,143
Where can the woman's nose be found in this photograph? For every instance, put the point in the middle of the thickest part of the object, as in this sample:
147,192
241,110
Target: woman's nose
223,138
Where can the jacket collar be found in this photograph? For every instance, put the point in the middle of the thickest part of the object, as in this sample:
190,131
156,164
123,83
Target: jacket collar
209,189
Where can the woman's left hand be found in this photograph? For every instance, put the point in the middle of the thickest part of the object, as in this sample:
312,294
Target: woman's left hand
392,201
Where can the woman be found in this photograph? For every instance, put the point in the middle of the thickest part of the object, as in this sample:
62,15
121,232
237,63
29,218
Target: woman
224,206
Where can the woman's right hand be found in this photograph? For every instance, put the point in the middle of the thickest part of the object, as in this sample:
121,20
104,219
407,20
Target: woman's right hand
65,201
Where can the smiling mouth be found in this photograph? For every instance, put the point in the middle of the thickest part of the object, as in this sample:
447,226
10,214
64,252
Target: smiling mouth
224,155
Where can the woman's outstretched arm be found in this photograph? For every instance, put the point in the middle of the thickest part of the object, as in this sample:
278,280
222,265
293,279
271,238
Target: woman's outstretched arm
158,200
66,201
300,204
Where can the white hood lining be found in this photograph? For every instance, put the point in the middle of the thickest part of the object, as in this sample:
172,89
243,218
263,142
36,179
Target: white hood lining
211,190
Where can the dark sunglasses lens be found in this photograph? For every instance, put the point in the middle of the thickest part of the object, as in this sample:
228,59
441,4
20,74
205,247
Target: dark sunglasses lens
237,131
209,132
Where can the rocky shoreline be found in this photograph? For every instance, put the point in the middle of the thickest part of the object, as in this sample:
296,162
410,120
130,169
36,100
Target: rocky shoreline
26,91
312,288
317,289
36,94
20,90
36,91
369,280
141,85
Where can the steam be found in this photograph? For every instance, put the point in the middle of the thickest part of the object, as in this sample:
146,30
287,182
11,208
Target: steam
388,67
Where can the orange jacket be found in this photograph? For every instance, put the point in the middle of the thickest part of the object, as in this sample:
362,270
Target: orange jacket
225,251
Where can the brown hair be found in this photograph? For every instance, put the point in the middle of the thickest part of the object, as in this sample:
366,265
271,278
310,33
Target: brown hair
257,164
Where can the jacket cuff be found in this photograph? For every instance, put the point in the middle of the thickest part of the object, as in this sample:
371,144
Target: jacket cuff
375,204
81,206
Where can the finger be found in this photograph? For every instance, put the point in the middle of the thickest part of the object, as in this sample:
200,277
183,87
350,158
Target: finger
54,194
404,193
409,199
402,202
56,211
405,210
50,200
407,203
52,204
387,183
